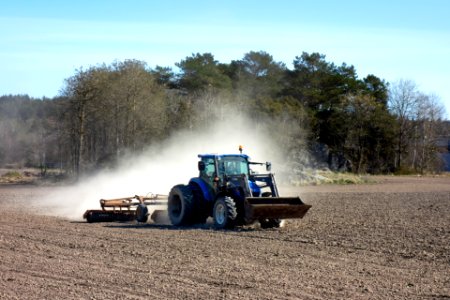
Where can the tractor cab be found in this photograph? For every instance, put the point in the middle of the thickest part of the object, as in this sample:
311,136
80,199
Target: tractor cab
229,170
217,167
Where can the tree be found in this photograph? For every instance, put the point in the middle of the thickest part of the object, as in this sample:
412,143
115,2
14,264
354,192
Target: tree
164,76
84,89
428,128
138,102
113,109
419,117
29,131
368,140
257,75
200,72
321,87
404,104
377,88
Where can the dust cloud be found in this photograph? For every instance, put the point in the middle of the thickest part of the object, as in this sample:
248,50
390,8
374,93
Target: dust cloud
171,162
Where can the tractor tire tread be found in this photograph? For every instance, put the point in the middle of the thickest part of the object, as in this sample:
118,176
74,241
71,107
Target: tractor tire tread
186,215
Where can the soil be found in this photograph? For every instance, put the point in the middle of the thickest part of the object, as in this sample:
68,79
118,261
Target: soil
385,240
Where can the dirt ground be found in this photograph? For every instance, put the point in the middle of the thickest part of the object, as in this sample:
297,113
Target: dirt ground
389,240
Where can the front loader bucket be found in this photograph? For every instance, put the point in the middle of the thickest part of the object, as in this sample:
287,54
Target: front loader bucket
257,208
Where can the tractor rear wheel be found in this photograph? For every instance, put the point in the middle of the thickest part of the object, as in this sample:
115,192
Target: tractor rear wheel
180,206
224,212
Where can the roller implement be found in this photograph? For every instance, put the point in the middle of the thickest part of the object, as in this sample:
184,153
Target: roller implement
226,189
124,209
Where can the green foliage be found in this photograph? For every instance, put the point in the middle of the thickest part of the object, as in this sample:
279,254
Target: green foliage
164,76
257,75
317,177
201,72
368,138
405,171
377,88
12,175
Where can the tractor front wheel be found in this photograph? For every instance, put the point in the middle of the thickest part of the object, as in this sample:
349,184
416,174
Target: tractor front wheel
224,213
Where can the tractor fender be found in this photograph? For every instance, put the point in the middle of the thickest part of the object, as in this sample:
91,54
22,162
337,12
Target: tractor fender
207,195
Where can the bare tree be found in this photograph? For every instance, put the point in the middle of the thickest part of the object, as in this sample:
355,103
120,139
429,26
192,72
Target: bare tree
83,89
419,118
403,103
428,126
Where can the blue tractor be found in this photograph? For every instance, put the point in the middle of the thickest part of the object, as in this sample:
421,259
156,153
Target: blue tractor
232,194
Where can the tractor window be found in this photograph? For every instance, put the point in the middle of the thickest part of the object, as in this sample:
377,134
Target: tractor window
235,166
209,167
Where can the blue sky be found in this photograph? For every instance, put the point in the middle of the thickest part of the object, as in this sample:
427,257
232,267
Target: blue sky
43,42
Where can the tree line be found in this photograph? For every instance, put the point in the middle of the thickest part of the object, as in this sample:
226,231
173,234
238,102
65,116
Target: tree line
316,109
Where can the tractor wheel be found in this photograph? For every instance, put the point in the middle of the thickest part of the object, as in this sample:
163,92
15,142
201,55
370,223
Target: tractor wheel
271,223
180,206
224,213
142,213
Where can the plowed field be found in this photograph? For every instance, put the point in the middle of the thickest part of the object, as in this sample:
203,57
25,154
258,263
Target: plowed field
389,240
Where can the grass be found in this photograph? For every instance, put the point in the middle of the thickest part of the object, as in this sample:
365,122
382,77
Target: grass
345,178
319,177
31,176
12,175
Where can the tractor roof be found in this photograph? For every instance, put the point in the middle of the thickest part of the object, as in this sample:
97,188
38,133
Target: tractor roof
220,156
